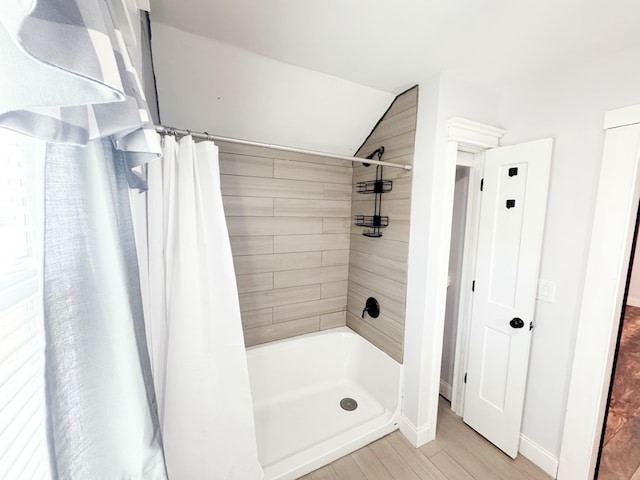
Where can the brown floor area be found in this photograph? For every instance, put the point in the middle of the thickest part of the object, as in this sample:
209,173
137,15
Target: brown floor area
457,453
621,452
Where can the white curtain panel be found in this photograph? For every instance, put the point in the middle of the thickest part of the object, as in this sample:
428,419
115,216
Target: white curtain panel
193,320
102,422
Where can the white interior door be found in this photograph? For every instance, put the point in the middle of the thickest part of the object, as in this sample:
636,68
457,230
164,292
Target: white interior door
512,215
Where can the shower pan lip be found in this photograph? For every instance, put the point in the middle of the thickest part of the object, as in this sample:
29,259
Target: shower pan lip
297,385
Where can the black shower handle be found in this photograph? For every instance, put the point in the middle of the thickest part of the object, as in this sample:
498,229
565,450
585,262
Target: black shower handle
372,307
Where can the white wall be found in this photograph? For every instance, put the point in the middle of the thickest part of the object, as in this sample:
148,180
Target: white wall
440,98
569,107
634,286
205,85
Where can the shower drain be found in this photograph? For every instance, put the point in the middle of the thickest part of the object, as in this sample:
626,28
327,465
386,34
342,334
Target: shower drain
348,404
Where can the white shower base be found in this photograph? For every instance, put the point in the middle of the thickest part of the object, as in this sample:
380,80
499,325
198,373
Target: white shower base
297,385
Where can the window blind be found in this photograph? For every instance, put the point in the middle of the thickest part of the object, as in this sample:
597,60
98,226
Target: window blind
23,437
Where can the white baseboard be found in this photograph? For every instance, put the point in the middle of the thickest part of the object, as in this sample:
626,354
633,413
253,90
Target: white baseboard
445,389
416,436
634,302
538,455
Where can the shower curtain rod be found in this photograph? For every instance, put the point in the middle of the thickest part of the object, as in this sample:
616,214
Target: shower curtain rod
206,136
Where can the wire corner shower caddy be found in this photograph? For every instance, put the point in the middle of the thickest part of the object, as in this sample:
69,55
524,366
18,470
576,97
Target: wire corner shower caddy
376,187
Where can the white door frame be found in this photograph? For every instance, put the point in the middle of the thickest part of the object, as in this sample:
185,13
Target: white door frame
429,248
609,256
466,279
471,137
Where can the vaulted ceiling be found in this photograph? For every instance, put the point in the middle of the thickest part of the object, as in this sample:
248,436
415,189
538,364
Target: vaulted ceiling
391,44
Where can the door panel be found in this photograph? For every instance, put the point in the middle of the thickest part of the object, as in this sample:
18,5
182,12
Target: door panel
506,235
495,358
512,215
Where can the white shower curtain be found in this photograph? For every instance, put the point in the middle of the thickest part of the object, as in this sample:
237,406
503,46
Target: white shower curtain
193,320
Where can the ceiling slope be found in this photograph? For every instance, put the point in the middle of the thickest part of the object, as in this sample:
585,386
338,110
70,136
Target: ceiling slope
390,45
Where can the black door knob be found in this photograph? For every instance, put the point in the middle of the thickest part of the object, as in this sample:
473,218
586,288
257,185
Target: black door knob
516,322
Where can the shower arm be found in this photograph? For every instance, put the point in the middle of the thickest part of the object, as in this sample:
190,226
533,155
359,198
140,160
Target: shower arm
379,152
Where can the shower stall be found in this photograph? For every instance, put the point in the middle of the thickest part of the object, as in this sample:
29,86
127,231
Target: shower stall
310,261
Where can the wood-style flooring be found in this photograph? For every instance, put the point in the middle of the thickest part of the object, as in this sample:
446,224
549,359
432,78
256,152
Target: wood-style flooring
457,453
621,451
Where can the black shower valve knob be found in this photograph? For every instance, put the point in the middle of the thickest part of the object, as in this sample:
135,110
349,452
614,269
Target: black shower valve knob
372,307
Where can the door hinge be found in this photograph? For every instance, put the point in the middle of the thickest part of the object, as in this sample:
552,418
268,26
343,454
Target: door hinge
473,286
465,378
482,184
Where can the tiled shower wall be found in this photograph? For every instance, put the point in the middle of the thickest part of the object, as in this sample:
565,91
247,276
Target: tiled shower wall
289,221
378,266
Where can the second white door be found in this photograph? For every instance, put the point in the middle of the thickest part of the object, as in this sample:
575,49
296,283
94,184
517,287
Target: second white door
512,217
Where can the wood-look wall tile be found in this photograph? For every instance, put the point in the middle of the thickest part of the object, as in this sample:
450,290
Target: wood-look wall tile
393,147
394,125
282,296
361,173
337,191
336,224
291,207
270,187
239,226
400,188
245,165
379,339
295,170
333,320
310,276
239,149
378,266
257,318
395,209
306,158
381,247
385,324
252,245
384,267
397,230
310,243
331,258
254,282
246,264
289,216
392,308
247,206
270,333
334,289
283,313
268,152
377,283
